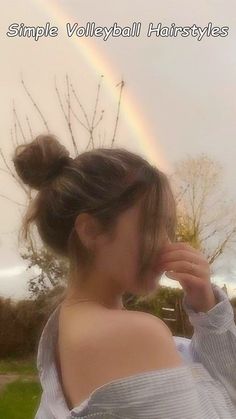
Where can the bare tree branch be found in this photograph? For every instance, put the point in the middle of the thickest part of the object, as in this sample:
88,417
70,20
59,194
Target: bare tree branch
18,122
81,106
100,119
92,127
68,98
35,105
66,117
29,127
16,133
89,126
12,139
220,248
96,105
78,120
97,99
12,200
121,84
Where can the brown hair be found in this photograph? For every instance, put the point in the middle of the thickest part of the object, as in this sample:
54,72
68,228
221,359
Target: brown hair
102,182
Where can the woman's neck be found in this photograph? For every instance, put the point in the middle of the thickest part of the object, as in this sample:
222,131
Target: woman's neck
75,295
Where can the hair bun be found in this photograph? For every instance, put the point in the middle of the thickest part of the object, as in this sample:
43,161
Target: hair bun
40,161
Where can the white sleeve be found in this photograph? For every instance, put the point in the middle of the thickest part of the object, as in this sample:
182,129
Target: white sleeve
182,346
213,343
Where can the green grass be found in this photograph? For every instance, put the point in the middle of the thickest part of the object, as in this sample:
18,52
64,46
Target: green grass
20,400
21,366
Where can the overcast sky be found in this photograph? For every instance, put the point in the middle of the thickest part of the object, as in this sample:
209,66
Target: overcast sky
179,96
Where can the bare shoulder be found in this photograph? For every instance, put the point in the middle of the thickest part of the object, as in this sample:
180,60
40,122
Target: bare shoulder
146,338
137,323
125,343
123,324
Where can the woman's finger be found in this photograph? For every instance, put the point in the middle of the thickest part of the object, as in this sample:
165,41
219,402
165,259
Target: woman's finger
181,255
184,266
187,281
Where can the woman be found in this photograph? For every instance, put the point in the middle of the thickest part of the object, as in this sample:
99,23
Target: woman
112,214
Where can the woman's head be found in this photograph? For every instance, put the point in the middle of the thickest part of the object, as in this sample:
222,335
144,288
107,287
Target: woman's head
107,209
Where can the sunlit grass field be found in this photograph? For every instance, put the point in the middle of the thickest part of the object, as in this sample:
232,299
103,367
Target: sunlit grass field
19,399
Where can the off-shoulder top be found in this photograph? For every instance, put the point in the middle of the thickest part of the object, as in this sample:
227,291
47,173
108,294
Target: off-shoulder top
203,387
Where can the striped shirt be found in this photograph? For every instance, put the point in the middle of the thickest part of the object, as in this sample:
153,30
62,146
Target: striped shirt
204,386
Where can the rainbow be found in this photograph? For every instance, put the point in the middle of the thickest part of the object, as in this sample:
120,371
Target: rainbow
130,110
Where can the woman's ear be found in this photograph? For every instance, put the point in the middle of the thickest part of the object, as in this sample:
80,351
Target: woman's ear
87,229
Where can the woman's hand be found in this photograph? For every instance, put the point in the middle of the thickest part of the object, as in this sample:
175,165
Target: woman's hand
183,263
